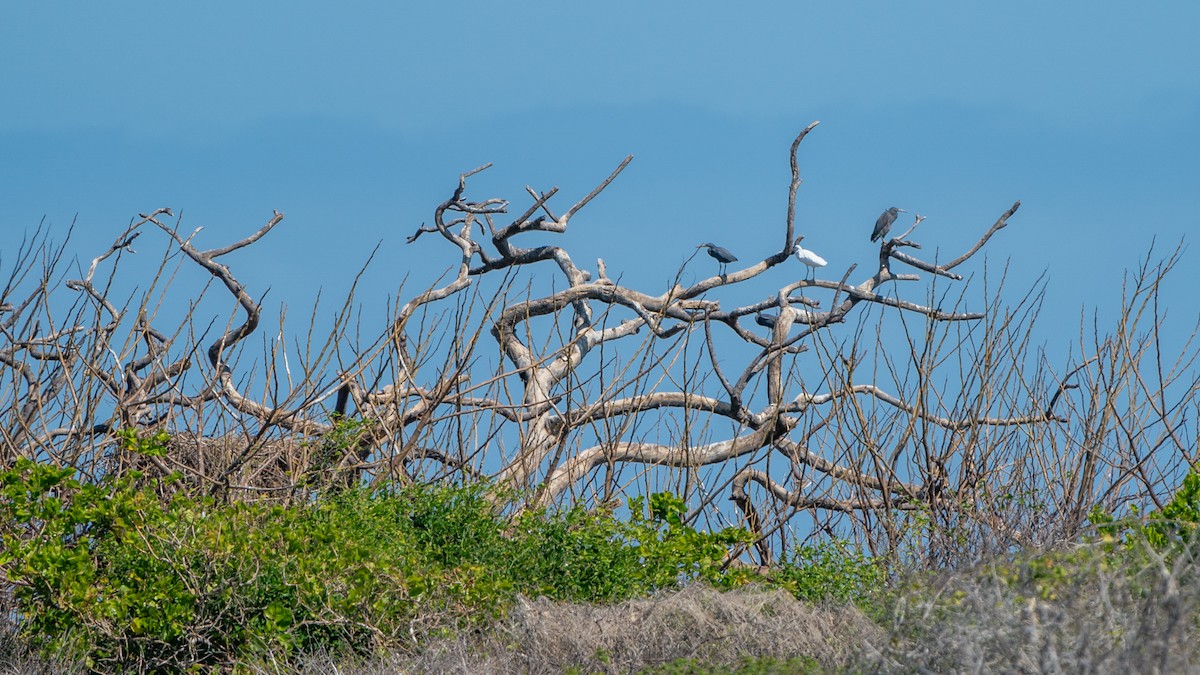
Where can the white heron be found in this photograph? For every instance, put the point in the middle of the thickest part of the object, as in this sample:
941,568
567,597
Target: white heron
812,260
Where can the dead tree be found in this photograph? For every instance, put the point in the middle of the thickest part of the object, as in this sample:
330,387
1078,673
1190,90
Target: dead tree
579,390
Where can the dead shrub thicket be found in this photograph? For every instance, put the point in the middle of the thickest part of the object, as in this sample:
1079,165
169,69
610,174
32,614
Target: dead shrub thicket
878,407
1083,611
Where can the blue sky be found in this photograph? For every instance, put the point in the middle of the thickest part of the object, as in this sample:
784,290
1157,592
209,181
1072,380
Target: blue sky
356,118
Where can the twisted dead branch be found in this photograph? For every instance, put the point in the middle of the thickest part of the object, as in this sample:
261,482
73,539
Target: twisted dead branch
555,393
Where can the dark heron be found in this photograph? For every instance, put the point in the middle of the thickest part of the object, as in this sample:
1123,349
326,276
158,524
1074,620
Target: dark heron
885,223
722,255
766,320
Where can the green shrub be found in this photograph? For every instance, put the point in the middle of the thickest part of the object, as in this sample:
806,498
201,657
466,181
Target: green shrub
1178,519
830,571
674,552
113,573
110,570
573,555
152,445
1170,529
584,557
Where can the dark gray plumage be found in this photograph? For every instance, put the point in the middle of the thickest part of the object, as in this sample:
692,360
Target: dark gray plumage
722,255
765,320
884,223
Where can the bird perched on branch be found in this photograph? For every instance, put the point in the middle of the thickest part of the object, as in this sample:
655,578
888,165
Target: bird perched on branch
722,255
884,223
808,257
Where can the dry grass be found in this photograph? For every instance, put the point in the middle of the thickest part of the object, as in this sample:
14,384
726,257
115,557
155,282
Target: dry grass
698,622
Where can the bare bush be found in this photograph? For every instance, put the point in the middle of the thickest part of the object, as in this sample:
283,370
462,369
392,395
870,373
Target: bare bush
1088,612
918,426
17,658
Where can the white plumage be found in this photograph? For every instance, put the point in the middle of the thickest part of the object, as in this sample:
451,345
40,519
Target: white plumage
808,257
